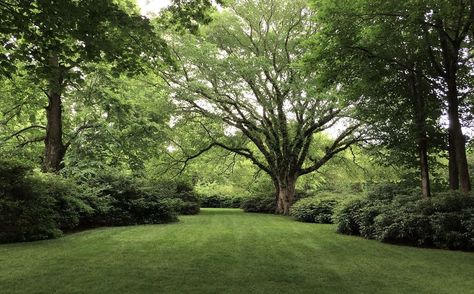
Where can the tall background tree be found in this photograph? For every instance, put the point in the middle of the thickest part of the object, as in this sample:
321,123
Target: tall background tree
387,53
56,43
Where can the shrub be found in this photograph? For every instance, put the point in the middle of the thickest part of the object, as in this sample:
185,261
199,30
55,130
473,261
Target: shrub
445,221
314,210
152,210
36,207
122,199
397,226
221,201
179,190
385,192
189,208
452,222
40,206
346,218
259,203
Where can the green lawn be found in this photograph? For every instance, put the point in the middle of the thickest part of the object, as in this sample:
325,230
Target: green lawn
227,251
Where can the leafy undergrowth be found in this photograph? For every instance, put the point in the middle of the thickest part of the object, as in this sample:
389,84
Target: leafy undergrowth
227,251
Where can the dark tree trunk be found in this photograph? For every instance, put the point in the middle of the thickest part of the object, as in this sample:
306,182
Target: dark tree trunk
458,139
453,167
54,147
422,138
424,166
450,51
285,193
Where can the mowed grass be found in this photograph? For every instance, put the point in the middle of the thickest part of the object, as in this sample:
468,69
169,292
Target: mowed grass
228,251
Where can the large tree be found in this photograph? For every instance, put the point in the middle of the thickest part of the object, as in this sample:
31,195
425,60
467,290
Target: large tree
449,36
55,42
242,71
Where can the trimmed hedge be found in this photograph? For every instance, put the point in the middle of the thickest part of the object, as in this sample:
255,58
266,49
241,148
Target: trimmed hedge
445,221
314,210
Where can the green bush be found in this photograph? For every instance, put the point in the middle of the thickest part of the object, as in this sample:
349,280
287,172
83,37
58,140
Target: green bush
314,210
122,199
445,221
389,191
34,206
221,201
186,200
401,226
189,208
152,210
346,216
259,203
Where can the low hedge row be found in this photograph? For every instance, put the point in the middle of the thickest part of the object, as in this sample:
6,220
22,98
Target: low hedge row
220,201
35,206
444,221
259,203
314,209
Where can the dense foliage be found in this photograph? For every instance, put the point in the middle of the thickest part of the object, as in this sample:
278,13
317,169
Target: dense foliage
445,221
36,206
314,209
259,203
221,201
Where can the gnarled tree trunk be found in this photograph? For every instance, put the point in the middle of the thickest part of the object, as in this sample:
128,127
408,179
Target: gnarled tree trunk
285,193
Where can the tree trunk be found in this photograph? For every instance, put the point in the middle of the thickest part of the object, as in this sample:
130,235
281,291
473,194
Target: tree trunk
453,168
424,167
54,147
286,186
450,50
458,141
422,138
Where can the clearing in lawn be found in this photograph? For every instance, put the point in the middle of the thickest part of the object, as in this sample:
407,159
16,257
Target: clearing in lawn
228,251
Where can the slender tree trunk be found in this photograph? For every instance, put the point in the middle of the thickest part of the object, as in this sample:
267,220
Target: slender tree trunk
422,138
54,147
285,193
453,167
424,167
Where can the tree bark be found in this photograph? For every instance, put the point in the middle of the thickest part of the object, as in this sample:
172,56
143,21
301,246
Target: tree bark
54,147
452,166
450,49
458,140
424,166
422,138
286,186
